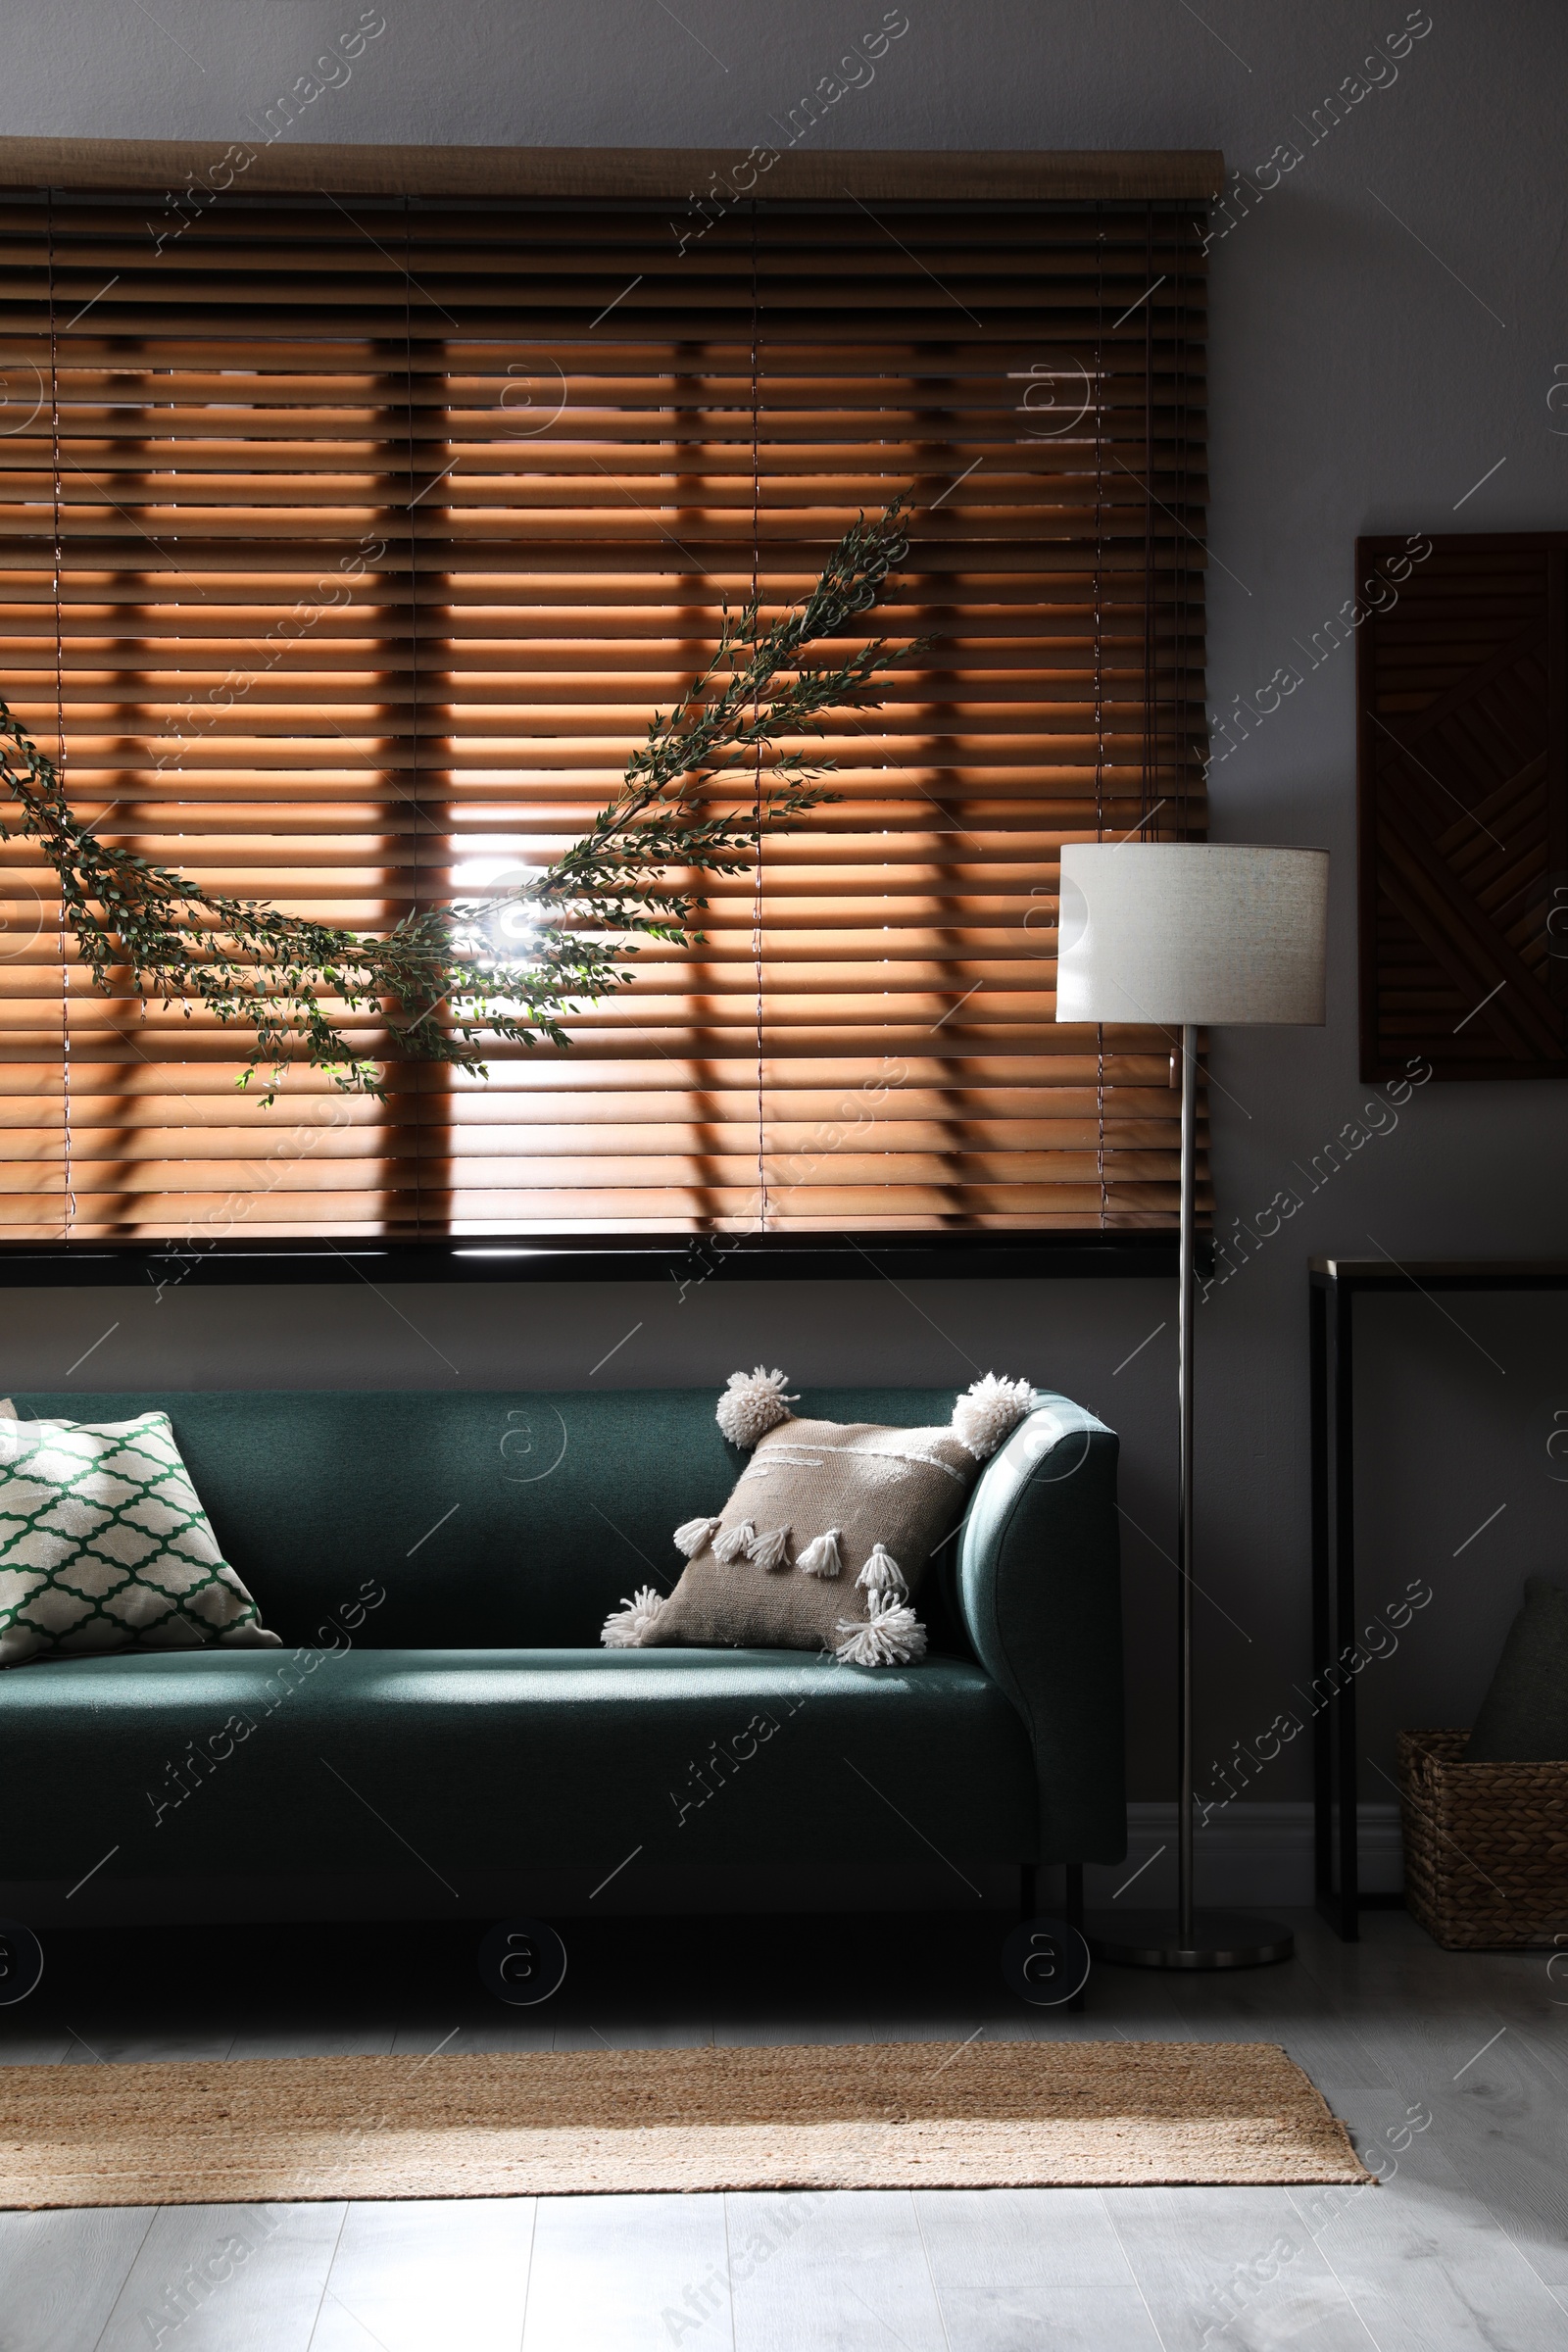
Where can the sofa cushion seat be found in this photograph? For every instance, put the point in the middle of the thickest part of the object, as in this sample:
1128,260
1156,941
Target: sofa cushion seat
340,1761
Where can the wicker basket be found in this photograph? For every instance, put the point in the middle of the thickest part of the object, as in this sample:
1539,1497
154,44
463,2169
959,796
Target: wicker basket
1485,1845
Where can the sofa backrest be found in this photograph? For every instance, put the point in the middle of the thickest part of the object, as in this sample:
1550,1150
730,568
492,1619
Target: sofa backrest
493,1520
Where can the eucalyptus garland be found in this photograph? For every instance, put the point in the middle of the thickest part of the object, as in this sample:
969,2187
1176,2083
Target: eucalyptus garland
505,968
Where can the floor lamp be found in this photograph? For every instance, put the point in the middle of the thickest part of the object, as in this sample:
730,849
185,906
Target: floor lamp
1190,935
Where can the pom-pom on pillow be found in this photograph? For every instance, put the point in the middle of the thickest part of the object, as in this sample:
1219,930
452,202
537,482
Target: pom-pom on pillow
753,1404
827,1537
104,1545
989,1412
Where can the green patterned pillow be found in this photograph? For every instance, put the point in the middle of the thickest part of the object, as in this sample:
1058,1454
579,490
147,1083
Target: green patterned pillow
104,1544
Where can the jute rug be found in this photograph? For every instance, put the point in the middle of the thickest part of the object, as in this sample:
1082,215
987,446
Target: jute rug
905,2115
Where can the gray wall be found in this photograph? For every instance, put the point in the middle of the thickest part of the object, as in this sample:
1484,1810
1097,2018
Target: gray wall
1384,330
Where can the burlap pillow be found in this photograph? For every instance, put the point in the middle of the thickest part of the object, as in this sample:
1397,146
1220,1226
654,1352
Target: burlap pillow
826,1542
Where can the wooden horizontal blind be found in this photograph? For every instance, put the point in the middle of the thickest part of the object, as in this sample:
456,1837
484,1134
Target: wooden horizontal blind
346,547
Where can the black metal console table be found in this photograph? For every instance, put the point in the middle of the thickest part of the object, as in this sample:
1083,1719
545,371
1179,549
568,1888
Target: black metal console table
1334,1285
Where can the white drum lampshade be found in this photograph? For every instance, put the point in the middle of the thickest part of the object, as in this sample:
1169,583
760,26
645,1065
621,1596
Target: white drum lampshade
1180,932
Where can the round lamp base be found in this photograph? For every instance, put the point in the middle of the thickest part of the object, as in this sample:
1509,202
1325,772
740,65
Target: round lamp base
1219,1939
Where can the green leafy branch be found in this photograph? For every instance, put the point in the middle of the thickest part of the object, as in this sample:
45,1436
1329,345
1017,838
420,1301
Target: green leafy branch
507,968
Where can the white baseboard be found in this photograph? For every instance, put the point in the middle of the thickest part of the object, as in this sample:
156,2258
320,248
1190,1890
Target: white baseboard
1247,1855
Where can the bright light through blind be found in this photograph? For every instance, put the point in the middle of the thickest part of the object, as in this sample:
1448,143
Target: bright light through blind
347,547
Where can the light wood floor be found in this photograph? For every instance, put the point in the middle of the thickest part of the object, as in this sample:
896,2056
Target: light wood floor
1450,2067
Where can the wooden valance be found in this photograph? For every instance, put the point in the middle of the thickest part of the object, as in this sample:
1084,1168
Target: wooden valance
283,165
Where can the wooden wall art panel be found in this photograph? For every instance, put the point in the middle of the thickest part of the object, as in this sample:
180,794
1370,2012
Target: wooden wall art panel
1462,782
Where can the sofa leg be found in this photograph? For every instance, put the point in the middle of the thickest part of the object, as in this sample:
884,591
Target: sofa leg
1026,1890
1075,1919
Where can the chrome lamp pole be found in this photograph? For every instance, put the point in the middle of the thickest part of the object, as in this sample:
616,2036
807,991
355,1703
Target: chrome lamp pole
1189,935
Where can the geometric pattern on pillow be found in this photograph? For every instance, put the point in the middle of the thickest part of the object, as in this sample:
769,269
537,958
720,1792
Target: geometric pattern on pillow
104,1545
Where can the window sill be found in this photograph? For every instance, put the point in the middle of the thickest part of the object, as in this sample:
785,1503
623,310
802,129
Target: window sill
684,1259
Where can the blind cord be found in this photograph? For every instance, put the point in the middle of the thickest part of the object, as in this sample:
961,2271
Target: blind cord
1100,677
68,1173
1148,782
414,683
757,799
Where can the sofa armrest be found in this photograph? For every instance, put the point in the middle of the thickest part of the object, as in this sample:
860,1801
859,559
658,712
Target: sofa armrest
1037,1588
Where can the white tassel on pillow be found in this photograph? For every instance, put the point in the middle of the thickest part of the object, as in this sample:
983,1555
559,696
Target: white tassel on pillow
734,1541
692,1535
753,1404
625,1627
983,1417
768,1550
892,1635
822,1556
882,1575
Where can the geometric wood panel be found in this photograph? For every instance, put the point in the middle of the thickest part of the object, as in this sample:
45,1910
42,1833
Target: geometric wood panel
1462,796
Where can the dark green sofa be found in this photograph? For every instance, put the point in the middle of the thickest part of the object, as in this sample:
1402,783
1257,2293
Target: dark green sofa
439,1566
